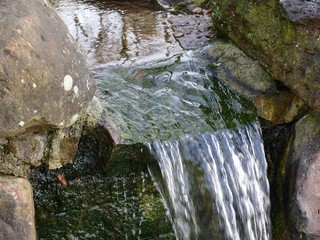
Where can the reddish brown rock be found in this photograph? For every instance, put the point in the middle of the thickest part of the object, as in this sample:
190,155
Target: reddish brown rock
304,171
16,209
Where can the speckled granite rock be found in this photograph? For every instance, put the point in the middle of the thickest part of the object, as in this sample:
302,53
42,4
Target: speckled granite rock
16,209
302,173
45,88
302,11
44,81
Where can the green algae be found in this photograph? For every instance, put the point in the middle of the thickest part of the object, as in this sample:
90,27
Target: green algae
113,201
263,30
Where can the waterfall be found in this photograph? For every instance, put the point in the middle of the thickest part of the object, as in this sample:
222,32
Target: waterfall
215,185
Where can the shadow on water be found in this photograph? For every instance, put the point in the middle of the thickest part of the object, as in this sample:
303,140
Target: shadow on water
181,129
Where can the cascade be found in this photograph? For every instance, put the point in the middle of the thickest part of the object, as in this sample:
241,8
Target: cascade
215,185
210,167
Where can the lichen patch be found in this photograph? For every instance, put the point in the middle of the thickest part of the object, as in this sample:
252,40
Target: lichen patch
74,119
76,90
67,82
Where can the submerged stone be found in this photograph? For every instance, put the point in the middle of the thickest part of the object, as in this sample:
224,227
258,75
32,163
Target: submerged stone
192,31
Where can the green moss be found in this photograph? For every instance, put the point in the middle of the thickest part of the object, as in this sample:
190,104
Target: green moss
127,159
121,203
289,34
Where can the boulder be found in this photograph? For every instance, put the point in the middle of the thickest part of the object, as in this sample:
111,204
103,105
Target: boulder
44,81
302,11
303,177
279,107
16,209
240,72
273,102
54,148
282,35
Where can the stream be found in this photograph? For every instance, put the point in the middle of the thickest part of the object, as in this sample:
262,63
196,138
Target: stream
207,175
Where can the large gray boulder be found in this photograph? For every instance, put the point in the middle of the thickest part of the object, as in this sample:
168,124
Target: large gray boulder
44,81
45,88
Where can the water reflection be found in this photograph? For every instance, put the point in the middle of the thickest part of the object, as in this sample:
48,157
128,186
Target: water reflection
119,33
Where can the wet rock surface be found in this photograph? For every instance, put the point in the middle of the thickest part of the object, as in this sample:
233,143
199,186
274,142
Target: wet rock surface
16,209
263,30
192,30
97,201
303,172
44,81
273,102
239,71
279,107
283,37
302,11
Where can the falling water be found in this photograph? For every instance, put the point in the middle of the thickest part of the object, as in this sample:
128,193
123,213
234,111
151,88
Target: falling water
215,185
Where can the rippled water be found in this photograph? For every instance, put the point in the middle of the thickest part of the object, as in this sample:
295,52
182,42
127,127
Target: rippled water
167,99
119,32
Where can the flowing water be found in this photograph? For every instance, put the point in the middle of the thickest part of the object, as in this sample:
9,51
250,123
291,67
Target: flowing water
210,168
215,185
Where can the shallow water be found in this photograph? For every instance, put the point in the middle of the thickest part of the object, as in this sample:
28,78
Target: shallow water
119,32
170,98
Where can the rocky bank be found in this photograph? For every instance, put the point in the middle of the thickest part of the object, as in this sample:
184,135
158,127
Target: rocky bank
46,96
283,37
45,90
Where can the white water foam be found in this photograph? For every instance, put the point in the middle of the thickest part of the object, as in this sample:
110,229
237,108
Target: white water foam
215,185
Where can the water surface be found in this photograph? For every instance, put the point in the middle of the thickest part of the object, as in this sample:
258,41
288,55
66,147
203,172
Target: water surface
119,32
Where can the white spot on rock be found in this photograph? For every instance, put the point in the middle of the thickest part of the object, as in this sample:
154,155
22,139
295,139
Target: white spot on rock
34,85
67,82
21,123
23,81
87,84
76,90
35,111
74,119
61,124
